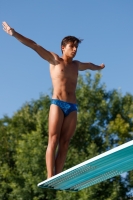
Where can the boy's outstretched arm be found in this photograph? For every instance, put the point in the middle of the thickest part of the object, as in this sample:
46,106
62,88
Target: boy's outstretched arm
84,66
47,55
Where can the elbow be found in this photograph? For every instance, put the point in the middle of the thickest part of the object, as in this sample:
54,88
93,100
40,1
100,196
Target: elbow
35,47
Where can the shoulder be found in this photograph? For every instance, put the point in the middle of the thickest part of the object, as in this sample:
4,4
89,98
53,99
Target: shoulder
76,62
56,59
54,55
79,65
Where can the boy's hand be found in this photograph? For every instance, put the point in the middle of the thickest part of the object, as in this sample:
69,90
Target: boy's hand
102,66
8,29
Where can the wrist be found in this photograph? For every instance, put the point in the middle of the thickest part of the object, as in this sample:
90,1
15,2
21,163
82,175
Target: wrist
13,32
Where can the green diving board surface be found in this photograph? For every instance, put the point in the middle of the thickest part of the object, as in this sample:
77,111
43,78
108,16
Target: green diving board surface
95,170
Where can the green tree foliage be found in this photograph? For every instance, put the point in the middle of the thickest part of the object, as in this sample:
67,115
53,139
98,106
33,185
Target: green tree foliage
105,120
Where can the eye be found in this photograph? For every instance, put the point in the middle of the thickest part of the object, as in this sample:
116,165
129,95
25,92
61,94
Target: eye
71,45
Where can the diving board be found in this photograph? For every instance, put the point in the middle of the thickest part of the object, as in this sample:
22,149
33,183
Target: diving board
95,170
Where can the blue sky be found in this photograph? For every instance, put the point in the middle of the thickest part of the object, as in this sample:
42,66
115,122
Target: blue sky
106,27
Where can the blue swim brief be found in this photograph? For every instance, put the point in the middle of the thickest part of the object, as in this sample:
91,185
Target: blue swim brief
66,107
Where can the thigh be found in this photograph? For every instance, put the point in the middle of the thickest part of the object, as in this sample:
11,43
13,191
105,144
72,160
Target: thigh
68,127
56,118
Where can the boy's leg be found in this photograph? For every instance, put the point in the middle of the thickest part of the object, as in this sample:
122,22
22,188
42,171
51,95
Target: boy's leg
67,131
56,118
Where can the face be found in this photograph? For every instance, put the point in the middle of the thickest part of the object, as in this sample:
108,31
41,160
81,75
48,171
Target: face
70,49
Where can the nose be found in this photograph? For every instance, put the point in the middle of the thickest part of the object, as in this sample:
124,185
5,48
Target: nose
75,49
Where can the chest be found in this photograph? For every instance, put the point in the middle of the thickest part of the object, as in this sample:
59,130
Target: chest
65,71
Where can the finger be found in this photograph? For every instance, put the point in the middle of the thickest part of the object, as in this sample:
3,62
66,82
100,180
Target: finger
7,28
5,24
4,30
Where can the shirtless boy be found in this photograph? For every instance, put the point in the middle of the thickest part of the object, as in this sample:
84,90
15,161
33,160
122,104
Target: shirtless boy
63,109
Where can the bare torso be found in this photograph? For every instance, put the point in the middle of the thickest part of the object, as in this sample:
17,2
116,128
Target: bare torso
64,80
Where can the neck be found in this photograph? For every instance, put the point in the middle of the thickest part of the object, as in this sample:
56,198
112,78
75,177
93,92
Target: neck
67,59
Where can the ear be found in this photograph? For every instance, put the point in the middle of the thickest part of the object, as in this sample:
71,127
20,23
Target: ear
62,48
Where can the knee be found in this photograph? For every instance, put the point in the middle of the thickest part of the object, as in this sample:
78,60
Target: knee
64,144
53,141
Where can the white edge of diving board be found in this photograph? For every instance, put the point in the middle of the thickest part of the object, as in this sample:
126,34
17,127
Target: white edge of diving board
115,149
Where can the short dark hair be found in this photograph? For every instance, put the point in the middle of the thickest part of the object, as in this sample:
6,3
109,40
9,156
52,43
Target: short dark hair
68,39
